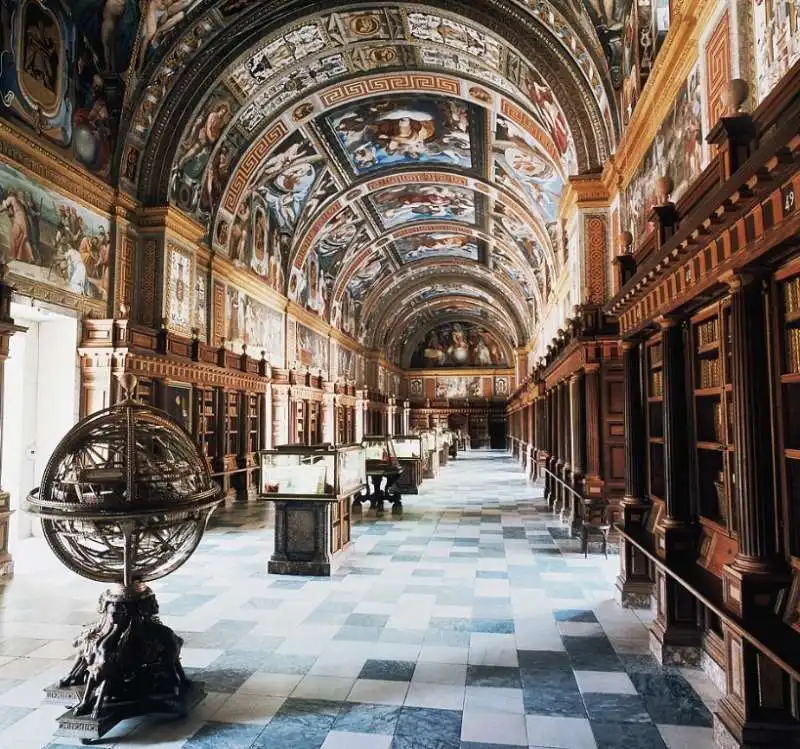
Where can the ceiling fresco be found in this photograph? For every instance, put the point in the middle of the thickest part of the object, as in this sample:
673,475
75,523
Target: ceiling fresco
360,158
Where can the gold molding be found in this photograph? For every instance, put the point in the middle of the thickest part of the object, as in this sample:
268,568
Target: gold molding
174,221
307,318
51,170
672,66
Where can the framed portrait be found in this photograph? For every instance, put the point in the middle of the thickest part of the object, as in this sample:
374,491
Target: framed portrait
178,397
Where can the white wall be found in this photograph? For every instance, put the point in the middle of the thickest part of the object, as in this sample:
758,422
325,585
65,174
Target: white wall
41,403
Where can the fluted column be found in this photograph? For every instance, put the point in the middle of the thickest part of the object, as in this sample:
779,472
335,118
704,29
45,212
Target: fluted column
635,444
757,570
675,637
634,586
576,420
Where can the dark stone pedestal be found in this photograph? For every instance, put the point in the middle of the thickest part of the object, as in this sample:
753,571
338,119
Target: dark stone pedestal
127,665
302,538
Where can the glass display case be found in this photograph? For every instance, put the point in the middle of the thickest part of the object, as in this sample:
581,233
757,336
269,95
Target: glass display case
380,448
430,454
320,471
409,454
408,446
311,487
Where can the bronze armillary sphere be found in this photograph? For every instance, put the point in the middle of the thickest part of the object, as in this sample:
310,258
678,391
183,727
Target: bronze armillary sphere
124,499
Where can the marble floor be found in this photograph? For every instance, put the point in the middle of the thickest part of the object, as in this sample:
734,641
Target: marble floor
471,622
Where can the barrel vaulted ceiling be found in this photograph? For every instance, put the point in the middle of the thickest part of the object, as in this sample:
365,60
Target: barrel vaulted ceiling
387,166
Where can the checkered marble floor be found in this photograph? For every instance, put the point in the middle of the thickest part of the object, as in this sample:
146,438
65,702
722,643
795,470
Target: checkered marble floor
471,622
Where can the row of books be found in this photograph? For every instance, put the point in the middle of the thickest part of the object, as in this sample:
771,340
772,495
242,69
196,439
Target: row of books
793,350
710,373
656,384
791,295
708,332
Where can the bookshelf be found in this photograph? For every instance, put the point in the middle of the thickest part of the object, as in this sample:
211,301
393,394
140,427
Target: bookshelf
788,312
713,415
654,368
232,422
205,421
253,422
314,435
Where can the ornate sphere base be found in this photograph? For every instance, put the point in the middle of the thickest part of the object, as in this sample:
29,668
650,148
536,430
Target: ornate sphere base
127,665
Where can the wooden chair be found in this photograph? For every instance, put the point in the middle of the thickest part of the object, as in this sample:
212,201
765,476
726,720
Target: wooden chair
595,520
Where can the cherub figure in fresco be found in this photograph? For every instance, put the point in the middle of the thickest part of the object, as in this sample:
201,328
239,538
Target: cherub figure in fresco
20,244
112,12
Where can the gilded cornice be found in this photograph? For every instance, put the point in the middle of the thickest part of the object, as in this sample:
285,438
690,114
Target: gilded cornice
174,221
583,191
458,372
309,319
671,67
53,170
247,282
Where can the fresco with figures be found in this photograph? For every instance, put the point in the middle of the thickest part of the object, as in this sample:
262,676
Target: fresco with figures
345,364
62,71
458,387
423,202
52,240
250,323
458,344
311,349
401,131
777,37
677,150
522,166
437,244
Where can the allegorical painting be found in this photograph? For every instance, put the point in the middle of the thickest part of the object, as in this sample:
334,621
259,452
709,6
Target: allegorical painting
188,188
311,348
286,180
51,240
458,387
437,244
424,202
679,144
61,71
777,27
346,363
521,166
253,324
459,344
311,284
402,130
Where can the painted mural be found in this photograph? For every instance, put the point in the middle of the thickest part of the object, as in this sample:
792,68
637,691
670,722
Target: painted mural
439,290
677,150
404,130
162,16
179,273
251,323
346,363
311,284
190,186
437,244
777,33
311,349
422,202
287,179
609,18
458,344
521,166
61,71
458,387
52,240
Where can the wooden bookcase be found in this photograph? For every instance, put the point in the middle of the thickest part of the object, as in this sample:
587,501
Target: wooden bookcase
314,433
205,421
299,423
712,397
252,422
654,371
233,424
788,313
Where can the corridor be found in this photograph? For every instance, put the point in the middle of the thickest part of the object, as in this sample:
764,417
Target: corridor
471,622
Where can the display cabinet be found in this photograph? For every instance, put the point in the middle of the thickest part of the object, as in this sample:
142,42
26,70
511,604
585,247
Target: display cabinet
409,454
430,454
443,438
383,472
311,487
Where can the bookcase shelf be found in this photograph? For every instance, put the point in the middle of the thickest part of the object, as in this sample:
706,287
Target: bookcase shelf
710,352
654,359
